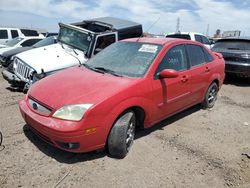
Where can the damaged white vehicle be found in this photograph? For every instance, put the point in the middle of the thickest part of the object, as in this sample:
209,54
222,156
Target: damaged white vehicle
76,44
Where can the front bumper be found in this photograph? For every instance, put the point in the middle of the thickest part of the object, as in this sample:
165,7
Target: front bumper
12,78
241,69
60,133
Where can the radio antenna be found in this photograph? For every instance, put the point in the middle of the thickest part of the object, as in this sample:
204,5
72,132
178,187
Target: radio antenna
152,24
148,29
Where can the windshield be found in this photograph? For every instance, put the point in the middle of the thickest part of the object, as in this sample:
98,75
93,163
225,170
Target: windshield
232,45
45,42
14,41
74,38
130,59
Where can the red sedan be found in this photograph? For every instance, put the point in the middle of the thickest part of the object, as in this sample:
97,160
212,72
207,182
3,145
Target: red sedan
132,83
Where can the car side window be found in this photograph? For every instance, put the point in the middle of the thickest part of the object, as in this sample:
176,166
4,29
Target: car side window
196,55
208,56
104,41
3,34
198,38
175,58
205,40
14,33
29,42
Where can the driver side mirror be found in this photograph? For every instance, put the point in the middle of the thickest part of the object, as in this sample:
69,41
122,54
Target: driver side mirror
169,73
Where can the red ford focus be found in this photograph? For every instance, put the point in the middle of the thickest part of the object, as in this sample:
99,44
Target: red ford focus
133,83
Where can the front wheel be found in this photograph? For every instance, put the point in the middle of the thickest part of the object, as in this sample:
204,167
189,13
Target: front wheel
211,96
122,135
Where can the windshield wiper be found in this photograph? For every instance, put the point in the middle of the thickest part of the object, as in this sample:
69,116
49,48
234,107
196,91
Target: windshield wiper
74,51
62,45
92,68
104,70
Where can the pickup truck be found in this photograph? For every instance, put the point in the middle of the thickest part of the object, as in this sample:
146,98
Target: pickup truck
77,43
191,36
7,33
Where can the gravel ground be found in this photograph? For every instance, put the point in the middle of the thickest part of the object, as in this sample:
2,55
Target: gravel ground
195,148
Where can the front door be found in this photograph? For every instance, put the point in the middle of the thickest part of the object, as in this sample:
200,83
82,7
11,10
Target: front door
172,94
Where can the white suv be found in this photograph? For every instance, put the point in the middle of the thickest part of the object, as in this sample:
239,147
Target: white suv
191,36
10,33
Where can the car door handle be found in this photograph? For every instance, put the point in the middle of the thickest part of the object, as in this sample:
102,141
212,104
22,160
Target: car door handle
207,69
184,78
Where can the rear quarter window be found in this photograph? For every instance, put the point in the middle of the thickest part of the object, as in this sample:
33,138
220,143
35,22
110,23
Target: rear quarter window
208,56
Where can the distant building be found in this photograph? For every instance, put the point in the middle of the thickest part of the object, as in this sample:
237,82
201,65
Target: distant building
226,34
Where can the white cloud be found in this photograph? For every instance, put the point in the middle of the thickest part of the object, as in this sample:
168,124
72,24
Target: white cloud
194,15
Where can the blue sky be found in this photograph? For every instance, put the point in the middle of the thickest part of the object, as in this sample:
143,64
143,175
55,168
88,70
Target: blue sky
195,15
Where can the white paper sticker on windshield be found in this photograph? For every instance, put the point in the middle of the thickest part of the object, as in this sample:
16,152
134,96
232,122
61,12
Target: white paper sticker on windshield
148,48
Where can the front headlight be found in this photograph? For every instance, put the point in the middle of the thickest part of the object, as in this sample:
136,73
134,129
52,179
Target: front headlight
72,112
15,63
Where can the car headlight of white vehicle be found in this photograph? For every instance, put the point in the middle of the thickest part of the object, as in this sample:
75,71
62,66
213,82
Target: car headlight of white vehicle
14,63
72,112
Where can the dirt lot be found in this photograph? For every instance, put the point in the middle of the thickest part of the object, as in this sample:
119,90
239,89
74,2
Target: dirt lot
196,148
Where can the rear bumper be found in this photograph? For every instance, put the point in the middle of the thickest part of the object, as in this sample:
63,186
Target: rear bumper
241,69
12,78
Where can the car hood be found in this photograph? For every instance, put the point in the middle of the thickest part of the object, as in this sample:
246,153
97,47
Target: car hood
2,50
78,85
52,57
15,51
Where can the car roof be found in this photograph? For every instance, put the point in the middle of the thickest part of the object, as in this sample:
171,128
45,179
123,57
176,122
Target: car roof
235,38
153,40
115,23
185,33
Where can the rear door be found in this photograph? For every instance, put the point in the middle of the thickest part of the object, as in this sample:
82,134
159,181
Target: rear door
172,94
200,70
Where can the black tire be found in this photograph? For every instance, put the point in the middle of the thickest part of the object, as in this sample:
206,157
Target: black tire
211,96
122,134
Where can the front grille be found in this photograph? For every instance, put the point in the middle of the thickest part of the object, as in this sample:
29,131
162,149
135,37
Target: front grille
39,107
23,71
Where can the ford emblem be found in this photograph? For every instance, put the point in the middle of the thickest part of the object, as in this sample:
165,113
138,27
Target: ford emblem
35,106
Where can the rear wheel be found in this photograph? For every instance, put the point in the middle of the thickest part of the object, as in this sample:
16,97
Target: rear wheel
211,96
122,135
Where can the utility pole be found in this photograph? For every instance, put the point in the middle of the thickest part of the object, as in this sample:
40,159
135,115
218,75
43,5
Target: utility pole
178,25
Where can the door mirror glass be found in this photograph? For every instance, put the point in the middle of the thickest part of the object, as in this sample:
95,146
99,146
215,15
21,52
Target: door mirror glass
169,73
